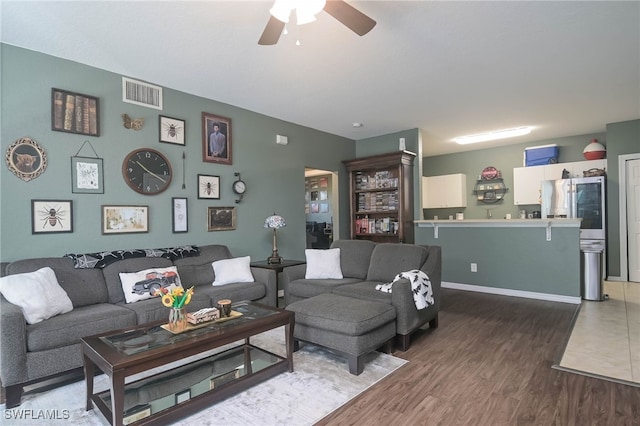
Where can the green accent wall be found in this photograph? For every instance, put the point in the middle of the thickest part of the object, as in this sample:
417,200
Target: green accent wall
509,258
274,173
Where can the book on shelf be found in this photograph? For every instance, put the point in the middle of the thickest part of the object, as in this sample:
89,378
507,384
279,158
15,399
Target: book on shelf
85,115
78,118
93,118
68,112
58,110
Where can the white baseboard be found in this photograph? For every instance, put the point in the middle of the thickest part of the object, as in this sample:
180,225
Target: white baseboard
515,293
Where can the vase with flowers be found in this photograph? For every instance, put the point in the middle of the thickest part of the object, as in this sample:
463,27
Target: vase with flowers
176,300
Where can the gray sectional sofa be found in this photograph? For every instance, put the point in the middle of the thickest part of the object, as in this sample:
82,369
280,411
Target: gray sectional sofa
30,353
365,265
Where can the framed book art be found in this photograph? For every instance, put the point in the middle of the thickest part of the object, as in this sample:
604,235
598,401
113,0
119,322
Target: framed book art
74,113
51,216
216,139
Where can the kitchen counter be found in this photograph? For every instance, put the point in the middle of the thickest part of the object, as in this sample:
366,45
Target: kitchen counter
534,258
499,223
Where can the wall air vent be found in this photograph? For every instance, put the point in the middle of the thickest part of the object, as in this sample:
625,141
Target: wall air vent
141,93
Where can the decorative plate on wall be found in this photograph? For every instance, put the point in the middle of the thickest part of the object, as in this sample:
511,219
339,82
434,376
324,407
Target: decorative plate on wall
26,159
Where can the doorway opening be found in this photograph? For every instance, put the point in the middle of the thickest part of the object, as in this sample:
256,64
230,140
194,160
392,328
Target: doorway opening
321,207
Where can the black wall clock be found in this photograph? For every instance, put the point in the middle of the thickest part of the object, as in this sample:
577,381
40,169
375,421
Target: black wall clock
147,171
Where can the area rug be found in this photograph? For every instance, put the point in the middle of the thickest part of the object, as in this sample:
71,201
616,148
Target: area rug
320,384
605,340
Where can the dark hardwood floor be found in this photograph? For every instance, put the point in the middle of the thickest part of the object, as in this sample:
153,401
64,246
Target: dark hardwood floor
489,363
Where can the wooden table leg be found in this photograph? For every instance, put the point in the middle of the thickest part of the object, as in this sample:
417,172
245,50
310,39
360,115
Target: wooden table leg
89,373
117,397
288,330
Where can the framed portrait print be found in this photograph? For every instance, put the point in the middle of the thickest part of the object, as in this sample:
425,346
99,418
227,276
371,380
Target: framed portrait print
221,218
51,216
125,219
172,130
179,215
209,187
86,175
216,139
74,113
26,159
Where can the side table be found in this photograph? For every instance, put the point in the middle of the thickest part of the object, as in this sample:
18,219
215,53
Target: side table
278,267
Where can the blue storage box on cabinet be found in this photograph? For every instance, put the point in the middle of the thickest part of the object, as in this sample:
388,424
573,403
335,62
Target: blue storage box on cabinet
539,155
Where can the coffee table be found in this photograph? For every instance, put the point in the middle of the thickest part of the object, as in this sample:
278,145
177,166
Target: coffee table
183,373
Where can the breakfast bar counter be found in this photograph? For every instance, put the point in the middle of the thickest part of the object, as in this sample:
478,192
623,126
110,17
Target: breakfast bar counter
534,258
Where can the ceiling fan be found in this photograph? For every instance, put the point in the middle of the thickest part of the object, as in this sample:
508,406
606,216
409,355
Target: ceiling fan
349,16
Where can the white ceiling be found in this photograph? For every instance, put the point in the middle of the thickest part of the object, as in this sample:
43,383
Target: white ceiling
448,68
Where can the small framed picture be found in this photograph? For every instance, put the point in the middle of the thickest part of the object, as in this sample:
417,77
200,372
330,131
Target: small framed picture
179,215
26,159
51,216
172,130
86,175
125,219
216,139
209,187
74,113
221,218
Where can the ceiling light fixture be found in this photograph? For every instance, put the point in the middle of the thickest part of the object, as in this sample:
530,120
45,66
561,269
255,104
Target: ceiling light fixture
495,135
306,10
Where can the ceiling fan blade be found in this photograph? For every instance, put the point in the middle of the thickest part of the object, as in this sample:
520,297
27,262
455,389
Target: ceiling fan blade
355,20
272,31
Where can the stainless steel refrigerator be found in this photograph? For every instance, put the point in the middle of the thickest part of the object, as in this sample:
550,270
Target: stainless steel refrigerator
582,198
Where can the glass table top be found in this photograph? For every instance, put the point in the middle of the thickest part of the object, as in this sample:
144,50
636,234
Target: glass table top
143,339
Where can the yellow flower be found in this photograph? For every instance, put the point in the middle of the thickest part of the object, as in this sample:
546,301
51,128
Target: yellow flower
167,300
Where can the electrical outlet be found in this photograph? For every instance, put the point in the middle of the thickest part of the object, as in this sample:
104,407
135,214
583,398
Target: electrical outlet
474,267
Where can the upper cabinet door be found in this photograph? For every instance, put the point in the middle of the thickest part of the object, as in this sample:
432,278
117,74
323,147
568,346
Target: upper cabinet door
444,191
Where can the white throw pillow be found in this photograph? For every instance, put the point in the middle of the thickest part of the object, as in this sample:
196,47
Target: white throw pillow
236,270
323,264
139,285
37,293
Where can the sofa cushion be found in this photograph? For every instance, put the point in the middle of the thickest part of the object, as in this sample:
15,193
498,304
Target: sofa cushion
323,264
37,293
83,286
69,328
388,260
234,291
355,256
236,270
308,288
344,315
197,271
365,290
112,273
142,285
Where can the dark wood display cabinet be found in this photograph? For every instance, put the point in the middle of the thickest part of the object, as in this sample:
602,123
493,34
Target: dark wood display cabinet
381,197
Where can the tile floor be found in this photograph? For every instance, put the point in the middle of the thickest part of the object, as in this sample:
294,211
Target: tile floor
605,340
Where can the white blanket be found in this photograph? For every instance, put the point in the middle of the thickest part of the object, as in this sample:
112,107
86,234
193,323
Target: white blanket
420,284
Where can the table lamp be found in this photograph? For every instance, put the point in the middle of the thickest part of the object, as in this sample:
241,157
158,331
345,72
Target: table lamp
274,222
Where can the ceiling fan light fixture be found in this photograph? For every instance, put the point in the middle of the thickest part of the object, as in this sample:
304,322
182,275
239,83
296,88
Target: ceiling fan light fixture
281,9
494,135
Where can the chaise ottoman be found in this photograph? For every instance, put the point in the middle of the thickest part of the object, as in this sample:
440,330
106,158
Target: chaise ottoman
352,327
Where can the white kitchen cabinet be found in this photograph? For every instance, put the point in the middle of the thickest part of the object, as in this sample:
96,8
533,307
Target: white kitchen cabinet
526,180
526,184
444,191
